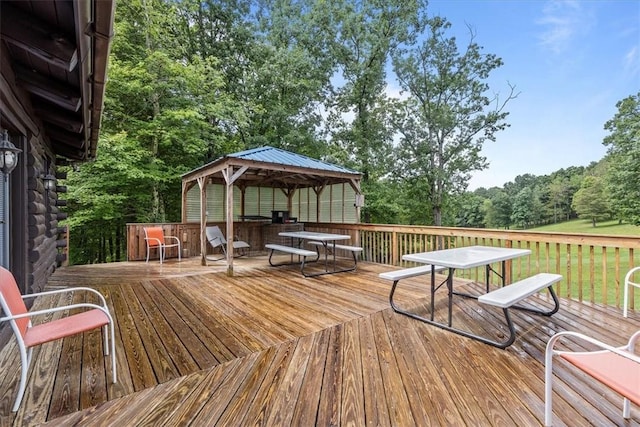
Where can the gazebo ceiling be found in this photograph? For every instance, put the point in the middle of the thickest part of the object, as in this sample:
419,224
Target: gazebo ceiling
273,167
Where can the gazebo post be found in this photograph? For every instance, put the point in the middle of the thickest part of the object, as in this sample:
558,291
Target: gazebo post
228,177
318,190
202,184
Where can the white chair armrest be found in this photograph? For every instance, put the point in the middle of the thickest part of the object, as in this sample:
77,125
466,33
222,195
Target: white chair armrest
630,273
173,238
624,351
56,309
628,282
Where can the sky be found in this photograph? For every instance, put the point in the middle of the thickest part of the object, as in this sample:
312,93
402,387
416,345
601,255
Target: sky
571,62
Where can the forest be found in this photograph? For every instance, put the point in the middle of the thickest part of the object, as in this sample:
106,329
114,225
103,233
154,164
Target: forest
191,81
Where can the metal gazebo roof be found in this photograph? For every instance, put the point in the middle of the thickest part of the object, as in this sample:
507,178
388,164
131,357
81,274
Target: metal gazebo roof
274,167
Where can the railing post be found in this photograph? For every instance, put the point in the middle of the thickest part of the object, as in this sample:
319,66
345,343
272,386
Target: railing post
395,252
509,264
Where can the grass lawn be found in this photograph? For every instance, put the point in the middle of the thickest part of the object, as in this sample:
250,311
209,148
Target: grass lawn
585,226
605,227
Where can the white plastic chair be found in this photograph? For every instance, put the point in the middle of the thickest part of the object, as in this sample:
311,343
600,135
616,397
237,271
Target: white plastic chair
627,284
616,367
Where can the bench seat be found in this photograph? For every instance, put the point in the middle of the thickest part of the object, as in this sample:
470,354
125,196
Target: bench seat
511,294
290,249
508,296
405,273
330,246
303,253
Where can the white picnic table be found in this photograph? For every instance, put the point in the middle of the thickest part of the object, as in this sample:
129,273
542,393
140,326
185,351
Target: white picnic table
328,241
460,258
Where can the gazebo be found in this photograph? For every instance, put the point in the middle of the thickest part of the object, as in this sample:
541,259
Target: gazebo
268,180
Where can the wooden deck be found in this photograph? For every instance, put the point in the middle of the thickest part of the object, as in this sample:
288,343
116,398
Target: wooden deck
195,347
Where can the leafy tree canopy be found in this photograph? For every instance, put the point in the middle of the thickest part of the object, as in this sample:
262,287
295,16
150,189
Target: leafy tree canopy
624,159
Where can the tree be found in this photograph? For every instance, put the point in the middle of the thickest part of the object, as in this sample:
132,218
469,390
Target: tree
448,115
591,200
520,183
526,208
500,211
361,37
563,185
624,159
471,211
156,126
102,198
386,208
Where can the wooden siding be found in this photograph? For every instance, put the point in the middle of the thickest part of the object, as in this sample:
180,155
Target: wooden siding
39,80
196,347
43,218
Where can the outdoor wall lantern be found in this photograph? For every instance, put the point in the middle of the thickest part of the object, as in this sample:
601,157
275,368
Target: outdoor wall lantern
8,154
49,182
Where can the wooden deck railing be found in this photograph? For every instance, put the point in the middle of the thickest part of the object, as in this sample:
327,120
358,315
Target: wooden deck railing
593,266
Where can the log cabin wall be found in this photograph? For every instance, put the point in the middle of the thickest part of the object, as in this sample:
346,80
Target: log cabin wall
33,211
42,214
53,72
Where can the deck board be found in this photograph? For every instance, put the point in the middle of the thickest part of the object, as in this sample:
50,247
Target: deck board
267,346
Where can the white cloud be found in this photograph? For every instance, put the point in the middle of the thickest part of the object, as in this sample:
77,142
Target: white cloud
632,61
563,21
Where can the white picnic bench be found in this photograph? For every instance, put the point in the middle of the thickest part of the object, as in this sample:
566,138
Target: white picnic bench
326,240
508,296
301,253
405,273
355,250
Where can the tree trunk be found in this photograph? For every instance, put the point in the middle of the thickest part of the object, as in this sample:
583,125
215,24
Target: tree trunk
437,216
119,244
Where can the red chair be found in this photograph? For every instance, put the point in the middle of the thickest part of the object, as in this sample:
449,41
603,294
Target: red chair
155,238
616,367
28,335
